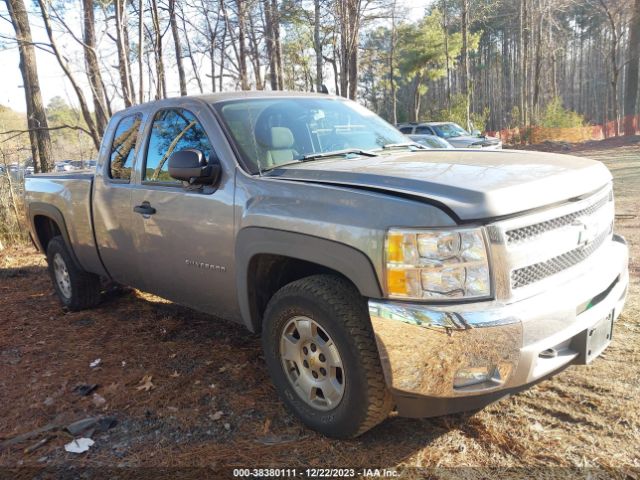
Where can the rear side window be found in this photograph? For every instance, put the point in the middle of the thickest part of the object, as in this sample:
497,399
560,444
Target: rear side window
123,147
406,129
173,130
424,131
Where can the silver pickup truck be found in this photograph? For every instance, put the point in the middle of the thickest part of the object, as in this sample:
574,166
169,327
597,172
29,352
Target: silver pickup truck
380,274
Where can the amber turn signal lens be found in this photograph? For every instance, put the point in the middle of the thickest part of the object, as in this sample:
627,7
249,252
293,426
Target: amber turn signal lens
395,247
397,282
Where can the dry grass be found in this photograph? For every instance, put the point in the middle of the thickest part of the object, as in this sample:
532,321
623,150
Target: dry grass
12,232
586,416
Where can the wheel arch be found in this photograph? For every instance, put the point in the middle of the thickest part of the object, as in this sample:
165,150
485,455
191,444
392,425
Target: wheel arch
268,259
48,222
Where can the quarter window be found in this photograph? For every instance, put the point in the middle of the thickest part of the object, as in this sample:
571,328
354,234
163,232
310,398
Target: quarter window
123,147
173,130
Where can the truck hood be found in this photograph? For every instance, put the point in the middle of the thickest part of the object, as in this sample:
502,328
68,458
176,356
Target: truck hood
474,185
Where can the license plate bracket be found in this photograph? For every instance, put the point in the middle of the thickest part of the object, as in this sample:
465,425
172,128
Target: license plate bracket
591,342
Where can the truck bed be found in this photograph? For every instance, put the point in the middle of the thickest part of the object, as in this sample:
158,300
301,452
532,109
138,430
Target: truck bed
69,194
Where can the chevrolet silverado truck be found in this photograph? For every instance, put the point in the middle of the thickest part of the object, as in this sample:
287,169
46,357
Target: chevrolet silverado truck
381,275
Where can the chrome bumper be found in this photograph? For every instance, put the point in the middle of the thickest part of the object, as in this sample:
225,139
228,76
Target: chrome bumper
423,347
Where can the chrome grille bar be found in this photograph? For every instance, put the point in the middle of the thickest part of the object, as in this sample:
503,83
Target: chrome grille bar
531,231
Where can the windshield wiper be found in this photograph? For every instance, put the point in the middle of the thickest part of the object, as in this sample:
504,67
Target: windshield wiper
313,156
336,153
390,146
262,170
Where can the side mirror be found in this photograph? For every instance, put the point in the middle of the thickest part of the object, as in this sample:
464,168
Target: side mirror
476,133
191,166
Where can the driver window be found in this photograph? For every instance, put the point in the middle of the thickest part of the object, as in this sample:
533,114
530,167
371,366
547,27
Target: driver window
173,130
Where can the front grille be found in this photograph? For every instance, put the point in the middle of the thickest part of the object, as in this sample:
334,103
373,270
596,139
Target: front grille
538,271
532,231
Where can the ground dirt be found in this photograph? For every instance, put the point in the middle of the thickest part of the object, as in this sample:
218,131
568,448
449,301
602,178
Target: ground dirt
207,401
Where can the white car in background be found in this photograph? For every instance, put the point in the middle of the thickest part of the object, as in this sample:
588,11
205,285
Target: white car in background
64,166
73,165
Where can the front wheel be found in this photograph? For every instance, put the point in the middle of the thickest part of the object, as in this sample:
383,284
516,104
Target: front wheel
322,356
76,288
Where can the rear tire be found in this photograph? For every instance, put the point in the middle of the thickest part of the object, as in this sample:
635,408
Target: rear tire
77,289
328,310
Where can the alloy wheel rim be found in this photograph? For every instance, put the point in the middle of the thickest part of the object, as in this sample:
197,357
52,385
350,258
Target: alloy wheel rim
62,275
312,363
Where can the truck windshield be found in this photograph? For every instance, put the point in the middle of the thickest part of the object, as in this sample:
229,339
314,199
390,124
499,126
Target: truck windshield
276,131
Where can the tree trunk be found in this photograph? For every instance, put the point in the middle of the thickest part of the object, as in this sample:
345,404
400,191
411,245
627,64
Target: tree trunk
223,50
242,49
392,52
416,98
119,6
31,125
275,16
615,68
464,55
538,67
255,53
37,118
349,12
522,57
176,42
211,43
354,40
271,44
317,44
140,49
631,83
161,88
84,108
192,60
344,49
614,96
445,31
127,51
93,67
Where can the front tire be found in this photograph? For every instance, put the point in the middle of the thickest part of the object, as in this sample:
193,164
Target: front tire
76,288
322,356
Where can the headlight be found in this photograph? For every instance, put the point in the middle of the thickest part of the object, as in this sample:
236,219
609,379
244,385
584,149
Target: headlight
437,264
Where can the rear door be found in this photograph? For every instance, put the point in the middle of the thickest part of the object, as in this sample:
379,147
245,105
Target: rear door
186,245
111,199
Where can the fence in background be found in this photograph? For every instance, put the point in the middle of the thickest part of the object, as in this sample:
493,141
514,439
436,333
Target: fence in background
629,125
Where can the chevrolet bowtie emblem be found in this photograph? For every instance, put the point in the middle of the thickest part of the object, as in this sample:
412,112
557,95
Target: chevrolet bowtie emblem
586,231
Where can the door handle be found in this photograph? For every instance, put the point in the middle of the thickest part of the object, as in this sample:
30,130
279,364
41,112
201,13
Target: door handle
144,209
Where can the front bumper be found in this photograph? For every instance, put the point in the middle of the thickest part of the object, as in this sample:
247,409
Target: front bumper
423,347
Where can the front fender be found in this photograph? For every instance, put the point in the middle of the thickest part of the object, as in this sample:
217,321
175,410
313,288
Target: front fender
346,260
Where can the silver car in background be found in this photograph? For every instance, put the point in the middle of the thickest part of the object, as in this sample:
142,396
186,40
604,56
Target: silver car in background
452,133
431,141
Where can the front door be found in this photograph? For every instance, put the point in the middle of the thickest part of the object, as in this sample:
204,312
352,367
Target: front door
111,202
184,234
